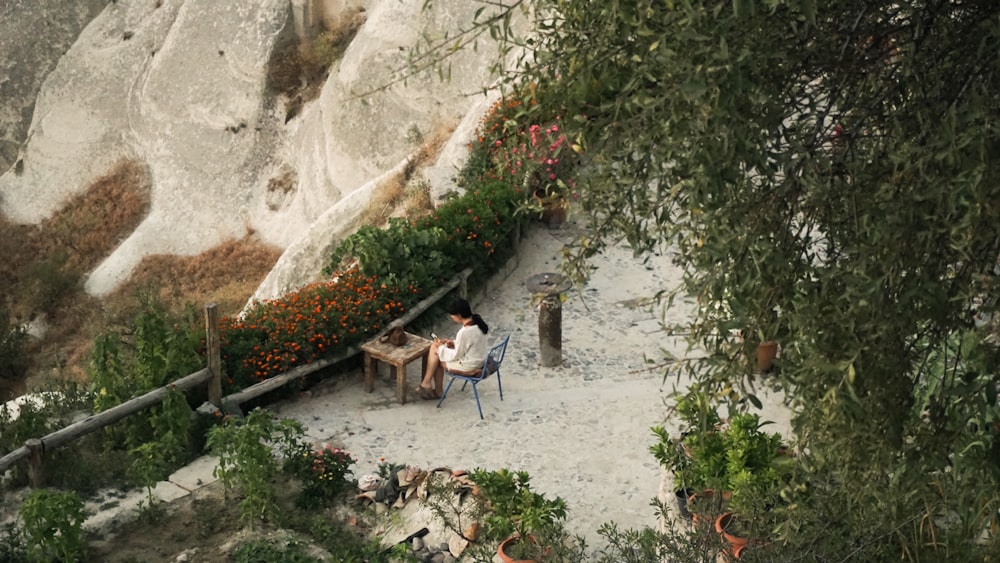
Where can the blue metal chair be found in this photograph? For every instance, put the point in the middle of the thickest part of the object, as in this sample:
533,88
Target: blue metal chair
491,365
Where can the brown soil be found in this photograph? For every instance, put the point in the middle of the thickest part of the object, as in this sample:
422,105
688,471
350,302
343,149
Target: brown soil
205,526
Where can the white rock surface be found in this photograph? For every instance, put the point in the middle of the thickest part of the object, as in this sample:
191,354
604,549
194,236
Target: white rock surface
180,86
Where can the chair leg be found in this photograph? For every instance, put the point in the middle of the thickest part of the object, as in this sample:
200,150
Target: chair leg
479,406
445,394
500,384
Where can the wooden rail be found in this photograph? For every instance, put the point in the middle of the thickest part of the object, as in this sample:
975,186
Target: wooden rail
35,448
97,421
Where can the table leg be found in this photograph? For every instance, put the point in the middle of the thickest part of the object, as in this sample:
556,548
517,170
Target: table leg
400,373
370,366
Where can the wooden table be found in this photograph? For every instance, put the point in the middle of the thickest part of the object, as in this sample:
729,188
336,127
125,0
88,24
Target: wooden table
397,357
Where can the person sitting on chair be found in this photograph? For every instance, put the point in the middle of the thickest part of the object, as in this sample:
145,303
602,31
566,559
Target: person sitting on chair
464,354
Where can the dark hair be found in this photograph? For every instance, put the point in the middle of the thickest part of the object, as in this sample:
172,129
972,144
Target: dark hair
462,308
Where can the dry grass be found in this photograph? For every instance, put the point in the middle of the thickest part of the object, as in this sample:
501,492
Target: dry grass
75,240
226,275
298,69
43,264
280,187
401,192
94,223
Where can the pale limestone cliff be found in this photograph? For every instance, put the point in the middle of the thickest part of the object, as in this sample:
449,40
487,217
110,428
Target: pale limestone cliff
180,85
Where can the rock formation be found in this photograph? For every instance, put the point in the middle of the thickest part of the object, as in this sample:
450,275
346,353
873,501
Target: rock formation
183,87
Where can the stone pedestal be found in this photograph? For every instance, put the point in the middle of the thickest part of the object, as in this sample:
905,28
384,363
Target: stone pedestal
548,289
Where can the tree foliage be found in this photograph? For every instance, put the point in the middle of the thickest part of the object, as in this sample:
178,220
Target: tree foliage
826,174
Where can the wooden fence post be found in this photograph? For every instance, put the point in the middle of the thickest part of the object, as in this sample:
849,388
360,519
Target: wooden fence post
214,353
35,473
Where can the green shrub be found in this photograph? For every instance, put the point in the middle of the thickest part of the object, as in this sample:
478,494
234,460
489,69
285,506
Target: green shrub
13,336
273,551
46,412
153,461
53,526
247,459
157,349
324,473
12,544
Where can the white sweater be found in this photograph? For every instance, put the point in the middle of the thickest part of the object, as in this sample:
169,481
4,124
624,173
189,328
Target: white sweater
469,352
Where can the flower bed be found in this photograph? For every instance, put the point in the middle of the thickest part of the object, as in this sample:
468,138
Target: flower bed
376,274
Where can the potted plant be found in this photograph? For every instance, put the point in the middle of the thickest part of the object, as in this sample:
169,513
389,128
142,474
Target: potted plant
767,351
700,426
550,204
527,525
729,525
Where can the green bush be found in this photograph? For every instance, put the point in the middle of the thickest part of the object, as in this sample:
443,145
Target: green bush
12,544
47,412
273,551
247,460
13,336
157,349
53,526
324,472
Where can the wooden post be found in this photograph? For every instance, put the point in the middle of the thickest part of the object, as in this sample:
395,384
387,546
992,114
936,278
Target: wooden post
35,473
214,352
547,289
550,331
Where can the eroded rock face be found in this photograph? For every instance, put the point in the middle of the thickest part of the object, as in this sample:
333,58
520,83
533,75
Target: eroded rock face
181,85
25,60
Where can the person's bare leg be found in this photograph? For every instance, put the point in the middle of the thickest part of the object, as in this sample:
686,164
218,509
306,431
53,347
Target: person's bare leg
439,380
433,365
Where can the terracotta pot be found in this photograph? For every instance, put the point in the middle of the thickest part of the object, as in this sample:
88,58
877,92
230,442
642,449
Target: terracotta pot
707,495
766,352
736,543
502,550
553,208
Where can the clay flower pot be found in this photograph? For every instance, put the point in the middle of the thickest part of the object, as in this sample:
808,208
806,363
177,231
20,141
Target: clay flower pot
766,353
553,207
503,548
736,543
709,504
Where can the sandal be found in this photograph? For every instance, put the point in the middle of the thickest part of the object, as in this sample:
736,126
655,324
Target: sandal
427,394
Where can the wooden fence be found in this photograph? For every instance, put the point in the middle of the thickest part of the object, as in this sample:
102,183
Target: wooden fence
34,449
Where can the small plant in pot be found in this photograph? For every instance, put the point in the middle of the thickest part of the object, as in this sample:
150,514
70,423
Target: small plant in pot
528,526
697,456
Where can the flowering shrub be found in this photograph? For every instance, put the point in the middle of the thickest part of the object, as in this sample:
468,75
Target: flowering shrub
300,327
530,155
324,472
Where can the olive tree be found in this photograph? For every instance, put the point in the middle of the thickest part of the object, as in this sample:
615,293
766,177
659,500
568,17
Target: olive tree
826,173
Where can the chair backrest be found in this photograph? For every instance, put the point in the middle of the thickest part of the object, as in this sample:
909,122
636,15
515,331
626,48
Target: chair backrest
495,357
